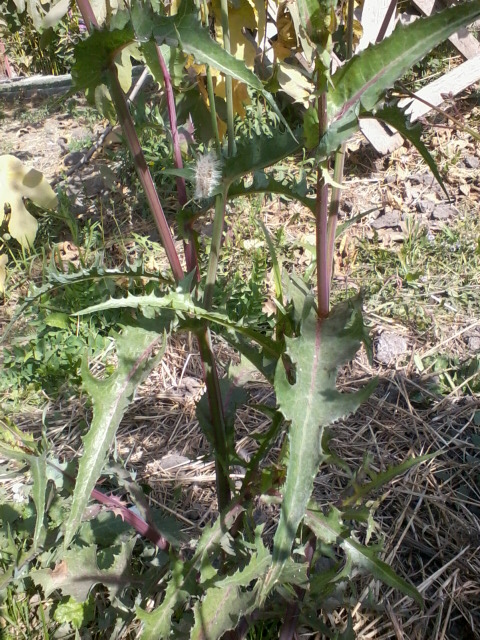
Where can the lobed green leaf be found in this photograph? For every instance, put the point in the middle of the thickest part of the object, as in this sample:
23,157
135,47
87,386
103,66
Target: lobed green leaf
110,397
312,403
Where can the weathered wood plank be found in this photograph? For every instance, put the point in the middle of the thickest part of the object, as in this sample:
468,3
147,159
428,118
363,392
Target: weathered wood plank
373,14
462,40
452,82
379,137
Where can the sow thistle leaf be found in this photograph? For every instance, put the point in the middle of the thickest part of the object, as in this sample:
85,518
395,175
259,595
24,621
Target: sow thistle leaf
183,305
331,530
310,404
110,397
226,602
185,29
361,82
77,572
94,55
38,469
16,183
157,624
258,152
220,611
266,183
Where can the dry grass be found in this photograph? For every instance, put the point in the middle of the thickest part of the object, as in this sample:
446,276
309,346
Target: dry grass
427,519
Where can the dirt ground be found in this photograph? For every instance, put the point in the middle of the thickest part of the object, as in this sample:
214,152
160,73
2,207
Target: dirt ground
429,521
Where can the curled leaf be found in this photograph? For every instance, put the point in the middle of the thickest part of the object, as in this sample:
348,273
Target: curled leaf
16,183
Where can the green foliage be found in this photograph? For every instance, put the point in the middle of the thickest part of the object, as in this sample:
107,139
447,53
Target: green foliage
136,358
31,52
308,398
58,544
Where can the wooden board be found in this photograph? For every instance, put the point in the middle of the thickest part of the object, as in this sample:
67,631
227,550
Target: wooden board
462,40
372,16
452,82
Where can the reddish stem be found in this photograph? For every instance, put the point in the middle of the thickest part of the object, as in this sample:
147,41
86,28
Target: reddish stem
191,258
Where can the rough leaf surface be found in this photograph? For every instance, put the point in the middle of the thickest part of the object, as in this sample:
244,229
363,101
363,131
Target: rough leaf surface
310,404
135,348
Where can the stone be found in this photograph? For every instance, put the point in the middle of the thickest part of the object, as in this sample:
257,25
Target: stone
387,220
425,206
390,346
471,162
474,343
444,212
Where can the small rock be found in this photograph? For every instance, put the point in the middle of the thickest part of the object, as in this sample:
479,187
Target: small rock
93,185
172,460
73,158
387,220
471,162
474,343
390,346
444,212
425,206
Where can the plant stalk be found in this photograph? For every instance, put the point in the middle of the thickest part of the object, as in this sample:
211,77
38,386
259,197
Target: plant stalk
211,93
228,79
321,223
215,247
144,174
191,258
133,143
87,14
217,417
339,162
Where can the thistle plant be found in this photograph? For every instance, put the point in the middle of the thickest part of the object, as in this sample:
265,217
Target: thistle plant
212,592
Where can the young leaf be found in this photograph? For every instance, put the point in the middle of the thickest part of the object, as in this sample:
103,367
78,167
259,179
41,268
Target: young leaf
16,183
38,469
136,359
157,624
380,479
225,602
220,611
312,403
330,529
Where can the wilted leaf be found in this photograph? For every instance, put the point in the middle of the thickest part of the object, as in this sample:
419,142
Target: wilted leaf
16,183
3,272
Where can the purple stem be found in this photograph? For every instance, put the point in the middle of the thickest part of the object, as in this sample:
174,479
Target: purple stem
189,247
141,166
138,523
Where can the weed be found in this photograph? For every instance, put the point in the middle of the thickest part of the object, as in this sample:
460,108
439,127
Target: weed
229,570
